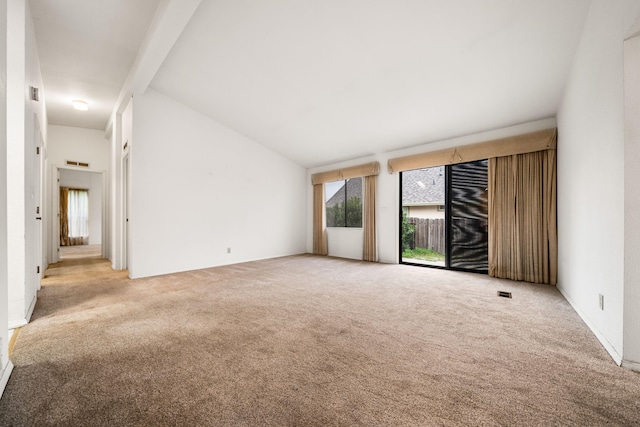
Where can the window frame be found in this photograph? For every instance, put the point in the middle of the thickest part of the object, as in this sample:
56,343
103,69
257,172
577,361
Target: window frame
346,199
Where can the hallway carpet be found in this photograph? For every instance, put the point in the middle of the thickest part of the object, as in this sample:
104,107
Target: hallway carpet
308,341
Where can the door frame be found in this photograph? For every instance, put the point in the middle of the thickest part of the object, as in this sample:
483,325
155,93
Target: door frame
54,256
447,228
126,209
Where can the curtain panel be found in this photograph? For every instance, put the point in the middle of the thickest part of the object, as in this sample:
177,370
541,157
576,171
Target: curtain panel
523,242
367,170
370,250
78,216
64,219
320,246
74,217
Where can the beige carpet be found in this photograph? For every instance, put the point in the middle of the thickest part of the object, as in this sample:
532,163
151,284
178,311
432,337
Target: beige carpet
79,251
308,341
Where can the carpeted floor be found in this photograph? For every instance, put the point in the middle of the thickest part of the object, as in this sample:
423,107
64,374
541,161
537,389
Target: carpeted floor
308,341
80,251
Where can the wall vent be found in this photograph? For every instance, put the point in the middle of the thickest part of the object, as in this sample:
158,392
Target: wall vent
504,294
74,163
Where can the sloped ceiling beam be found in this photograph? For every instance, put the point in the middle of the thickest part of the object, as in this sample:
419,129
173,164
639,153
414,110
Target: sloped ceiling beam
169,22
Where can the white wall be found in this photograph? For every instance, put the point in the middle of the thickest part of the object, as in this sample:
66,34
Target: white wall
76,144
23,70
91,181
79,144
591,180
631,318
198,188
347,243
5,363
116,217
426,212
15,158
35,138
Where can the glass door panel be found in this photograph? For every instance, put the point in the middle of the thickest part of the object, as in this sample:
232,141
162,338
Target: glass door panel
423,226
467,216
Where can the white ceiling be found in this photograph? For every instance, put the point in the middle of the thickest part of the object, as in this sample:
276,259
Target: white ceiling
324,81
86,49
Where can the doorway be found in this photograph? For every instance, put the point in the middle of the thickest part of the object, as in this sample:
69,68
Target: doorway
78,231
126,254
34,164
443,220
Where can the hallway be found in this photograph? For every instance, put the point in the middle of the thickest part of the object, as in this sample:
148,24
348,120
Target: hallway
80,251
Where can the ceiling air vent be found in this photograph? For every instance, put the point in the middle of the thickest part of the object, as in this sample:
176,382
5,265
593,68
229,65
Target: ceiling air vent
74,163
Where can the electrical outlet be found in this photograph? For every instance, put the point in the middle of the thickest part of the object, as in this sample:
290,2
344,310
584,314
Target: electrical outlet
601,301
228,250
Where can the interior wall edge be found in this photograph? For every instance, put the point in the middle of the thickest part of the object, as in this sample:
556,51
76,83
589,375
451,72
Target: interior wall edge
4,378
617,358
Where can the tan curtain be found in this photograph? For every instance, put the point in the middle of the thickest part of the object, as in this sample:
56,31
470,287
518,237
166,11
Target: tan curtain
319,221
370,252
366,169
519,144
522,217
64,219
76,241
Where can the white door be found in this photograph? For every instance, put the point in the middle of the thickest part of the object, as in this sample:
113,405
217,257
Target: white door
39,205
125,183
33,229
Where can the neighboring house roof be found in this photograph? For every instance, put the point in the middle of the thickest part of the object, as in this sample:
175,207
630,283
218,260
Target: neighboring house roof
354,189
423,187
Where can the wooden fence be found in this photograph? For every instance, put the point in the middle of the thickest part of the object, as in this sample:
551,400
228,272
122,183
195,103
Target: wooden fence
428,233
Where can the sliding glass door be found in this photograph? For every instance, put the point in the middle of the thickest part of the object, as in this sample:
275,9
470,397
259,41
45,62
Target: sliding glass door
444,216
467,216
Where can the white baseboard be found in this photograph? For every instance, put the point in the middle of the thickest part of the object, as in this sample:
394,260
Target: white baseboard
4,379
634,366
32,306
14,324
606,344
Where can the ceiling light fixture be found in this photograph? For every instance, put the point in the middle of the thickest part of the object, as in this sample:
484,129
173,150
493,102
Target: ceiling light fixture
81,105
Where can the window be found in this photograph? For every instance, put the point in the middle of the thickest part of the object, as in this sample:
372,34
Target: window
78,213
344,203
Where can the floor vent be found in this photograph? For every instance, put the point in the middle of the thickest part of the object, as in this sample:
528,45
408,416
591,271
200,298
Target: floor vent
504,294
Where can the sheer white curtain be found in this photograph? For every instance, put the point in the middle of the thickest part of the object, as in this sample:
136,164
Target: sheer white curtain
78,214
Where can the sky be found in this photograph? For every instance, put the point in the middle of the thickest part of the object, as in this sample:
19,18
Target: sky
331,188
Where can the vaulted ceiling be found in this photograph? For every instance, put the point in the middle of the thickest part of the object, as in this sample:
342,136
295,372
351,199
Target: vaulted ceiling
324,81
